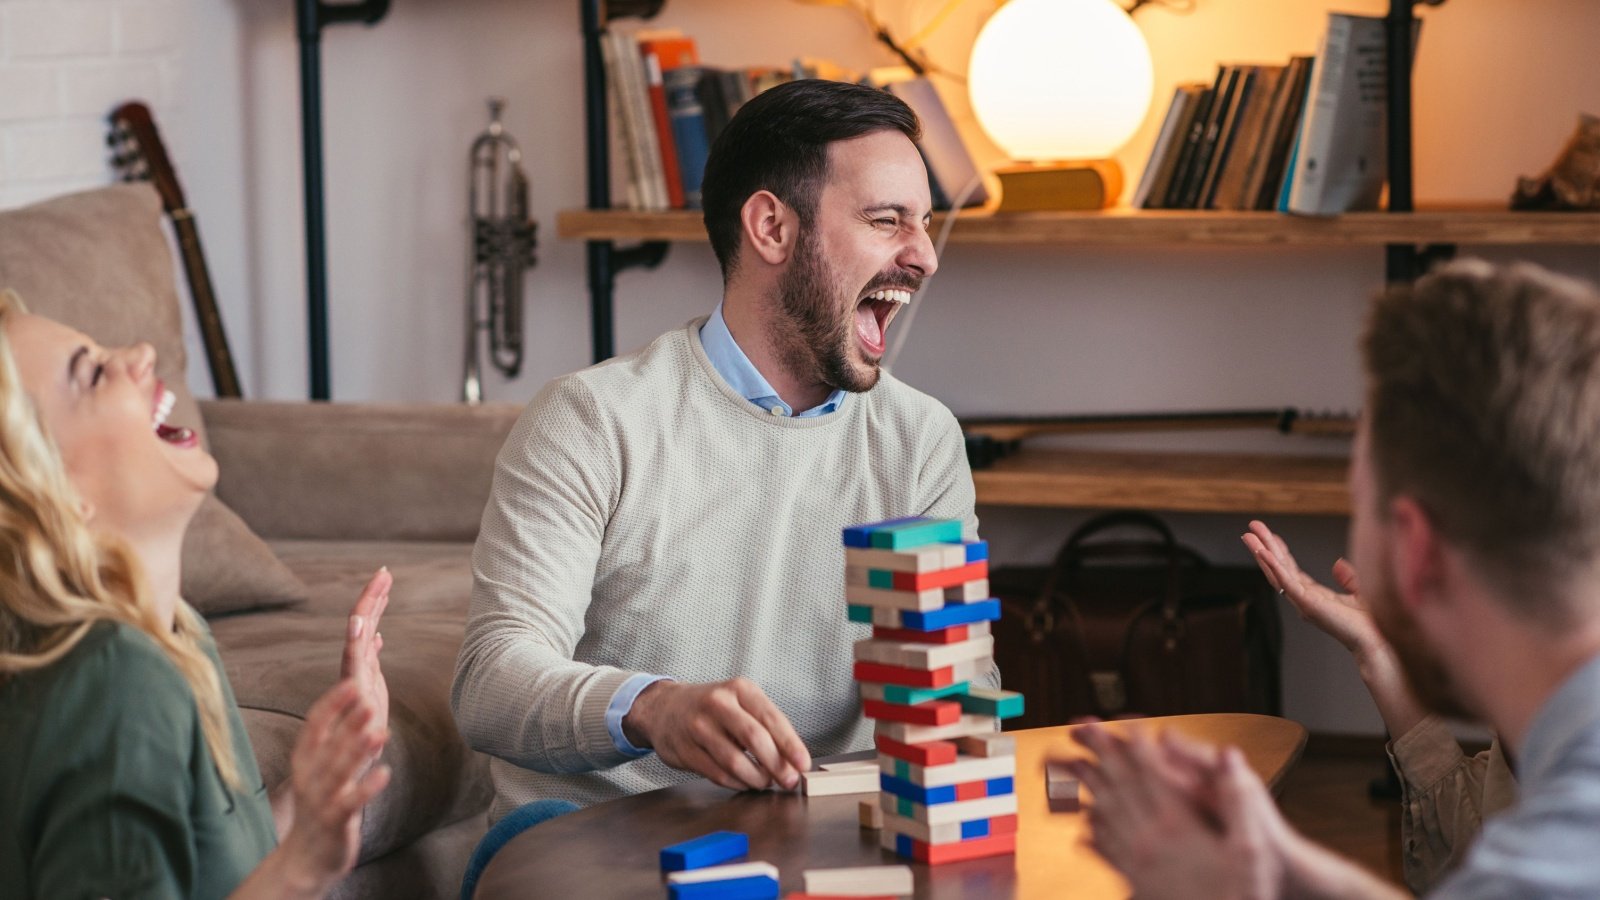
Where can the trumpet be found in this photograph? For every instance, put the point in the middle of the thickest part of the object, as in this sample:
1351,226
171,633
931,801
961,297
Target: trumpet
500,249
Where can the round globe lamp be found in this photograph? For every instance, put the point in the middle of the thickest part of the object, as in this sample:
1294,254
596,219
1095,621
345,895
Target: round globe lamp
1059,85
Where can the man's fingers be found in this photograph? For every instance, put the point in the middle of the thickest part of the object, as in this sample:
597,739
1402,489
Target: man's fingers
752,735
727,756
794,757
696,758
1345,574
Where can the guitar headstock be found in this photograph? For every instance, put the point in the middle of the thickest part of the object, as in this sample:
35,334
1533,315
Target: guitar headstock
137,153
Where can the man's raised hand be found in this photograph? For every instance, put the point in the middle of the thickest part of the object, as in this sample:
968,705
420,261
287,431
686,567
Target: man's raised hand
730,732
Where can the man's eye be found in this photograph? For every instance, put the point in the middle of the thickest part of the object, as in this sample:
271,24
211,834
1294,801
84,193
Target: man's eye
885,221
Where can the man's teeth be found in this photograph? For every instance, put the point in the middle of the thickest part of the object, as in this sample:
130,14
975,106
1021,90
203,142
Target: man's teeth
163,409
896,296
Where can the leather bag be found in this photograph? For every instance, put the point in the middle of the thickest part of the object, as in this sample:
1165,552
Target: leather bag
1120,626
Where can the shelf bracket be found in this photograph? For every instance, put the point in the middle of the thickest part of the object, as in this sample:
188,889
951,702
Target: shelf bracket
606,259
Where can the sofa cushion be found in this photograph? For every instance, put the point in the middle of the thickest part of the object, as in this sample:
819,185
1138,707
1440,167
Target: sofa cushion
280,662
99,261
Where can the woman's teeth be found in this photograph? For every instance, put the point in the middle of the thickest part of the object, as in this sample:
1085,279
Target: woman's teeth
896,296
163,409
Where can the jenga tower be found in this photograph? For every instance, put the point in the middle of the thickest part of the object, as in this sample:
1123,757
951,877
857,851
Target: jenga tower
948,776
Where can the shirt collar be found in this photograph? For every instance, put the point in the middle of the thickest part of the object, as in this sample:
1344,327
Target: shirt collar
743,376
1570,712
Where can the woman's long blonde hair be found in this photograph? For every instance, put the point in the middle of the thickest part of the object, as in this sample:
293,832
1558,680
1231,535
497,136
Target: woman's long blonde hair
58,577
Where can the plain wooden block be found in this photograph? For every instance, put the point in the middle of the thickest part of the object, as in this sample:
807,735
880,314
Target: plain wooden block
964,769
823,783
966,593
861,881
871,814
907,733
877,598
1060,783
993,744
846,765
937,656
922,559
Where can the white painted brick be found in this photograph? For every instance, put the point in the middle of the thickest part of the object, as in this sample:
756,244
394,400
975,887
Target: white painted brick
28,92
94,89
36,31
155,27
66,150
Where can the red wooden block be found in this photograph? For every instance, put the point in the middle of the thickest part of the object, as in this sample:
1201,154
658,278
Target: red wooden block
972,790
942,578
934,712
1003,825
882,674
836,897
929,753
911,636
976,848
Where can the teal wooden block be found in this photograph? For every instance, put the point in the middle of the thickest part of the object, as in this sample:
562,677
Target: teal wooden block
902,769
878,578
910,696
918,534
1000,704
860,614
904,807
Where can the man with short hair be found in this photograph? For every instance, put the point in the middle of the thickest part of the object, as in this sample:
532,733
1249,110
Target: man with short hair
659,565
1475,488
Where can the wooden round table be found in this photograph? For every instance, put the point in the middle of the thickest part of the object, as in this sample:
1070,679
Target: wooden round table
610,850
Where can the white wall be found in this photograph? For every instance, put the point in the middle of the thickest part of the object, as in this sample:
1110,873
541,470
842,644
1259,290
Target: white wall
1031,329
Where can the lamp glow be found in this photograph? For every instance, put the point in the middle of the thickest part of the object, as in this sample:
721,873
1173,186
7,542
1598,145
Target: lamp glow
1060,79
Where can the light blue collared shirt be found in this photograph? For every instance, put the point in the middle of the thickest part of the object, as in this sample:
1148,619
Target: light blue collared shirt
741,375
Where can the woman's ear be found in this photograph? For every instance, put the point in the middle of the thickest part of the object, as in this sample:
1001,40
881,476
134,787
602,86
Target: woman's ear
770,226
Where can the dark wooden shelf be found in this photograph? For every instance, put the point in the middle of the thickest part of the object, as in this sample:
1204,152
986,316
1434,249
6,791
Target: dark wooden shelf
1453,225
1181,482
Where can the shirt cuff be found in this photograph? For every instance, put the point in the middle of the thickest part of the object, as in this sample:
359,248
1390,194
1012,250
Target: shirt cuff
1426,753
621,704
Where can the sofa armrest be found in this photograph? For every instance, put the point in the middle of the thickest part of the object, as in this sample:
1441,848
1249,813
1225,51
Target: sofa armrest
357,471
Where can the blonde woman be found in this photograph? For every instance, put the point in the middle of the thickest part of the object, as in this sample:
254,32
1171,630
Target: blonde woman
125,770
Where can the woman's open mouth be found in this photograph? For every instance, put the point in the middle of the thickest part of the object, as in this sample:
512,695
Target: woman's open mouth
177,436
873,315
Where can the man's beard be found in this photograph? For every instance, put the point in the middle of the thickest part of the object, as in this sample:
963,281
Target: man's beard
1425,672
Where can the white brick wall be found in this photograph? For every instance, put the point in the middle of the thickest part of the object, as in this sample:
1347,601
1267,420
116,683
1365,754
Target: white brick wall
64,64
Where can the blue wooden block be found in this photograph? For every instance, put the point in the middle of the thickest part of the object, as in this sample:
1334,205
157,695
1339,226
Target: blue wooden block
860,614
1001,786
707,850
975,829
951,615
915,792
918,533
861,535
756,887
903,845
976,551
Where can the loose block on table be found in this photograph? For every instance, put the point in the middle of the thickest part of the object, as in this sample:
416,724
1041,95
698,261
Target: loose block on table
1060,783
860,881
986,702
909,535
916,734
741,881
706,850
964,769
823,783
945,813
995,744
899,693
953,614
928,753
905,601
871,814
922,581
933,712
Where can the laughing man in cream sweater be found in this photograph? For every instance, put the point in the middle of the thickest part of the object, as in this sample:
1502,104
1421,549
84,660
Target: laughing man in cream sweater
657,585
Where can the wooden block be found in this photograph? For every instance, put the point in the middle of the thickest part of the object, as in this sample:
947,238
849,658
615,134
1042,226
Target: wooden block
882,579
968,592
938,656
930,753
942,636
986,702
965,768
823,783
861,535
934,712
908,535
976,550
886,652
954,614
922,831
914,601
859,575
848,764
861,881
949,793
945,813
706,850
994,744
871,814
803,896
878,672
941,578
1060,783
917,734
899,693
940,854
922,559
741,881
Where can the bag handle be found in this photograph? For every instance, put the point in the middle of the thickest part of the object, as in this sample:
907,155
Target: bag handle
1078,548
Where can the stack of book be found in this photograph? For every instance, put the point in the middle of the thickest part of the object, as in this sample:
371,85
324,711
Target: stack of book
667,109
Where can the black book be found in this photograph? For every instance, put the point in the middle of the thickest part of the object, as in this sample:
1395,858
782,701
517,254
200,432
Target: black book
709,90
1195,178
1288,125
1197,129
1227,137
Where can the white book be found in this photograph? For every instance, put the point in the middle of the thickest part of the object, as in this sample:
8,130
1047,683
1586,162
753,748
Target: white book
622,124
636,104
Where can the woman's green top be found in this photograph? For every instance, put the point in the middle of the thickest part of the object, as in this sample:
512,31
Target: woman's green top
107,788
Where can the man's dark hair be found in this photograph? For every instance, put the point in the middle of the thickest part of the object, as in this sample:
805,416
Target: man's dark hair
779,141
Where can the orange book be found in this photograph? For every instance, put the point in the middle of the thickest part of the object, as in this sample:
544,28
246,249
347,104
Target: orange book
663,54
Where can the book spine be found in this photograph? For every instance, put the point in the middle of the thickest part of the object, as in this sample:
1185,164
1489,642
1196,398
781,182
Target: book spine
1191,141
663,127
1342,155
1169,125
1196,177
1249,142
1227,134
622,123
688,129
1278,164
631,61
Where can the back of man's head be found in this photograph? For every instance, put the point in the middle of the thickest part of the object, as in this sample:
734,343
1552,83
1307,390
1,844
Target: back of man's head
778,142
1483,405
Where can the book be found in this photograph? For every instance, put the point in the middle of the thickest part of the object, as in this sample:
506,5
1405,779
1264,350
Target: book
688,129
1283,122
1247,143
1227,134
663,52
949,163
1091,184
1164,154
1197,127
1343,156
622,126
635,102
1221,105
712,101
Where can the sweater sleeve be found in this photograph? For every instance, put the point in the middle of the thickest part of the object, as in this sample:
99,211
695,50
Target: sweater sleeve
1445,797
518,693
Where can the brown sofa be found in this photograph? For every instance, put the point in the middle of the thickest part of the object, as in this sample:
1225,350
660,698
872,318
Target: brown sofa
336,491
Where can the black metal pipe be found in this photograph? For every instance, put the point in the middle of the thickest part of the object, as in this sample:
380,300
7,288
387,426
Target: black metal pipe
597,159
1401,261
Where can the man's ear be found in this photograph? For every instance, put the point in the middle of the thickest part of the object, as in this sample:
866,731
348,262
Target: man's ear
770,226
1417,554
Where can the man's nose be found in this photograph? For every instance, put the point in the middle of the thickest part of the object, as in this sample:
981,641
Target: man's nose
918,254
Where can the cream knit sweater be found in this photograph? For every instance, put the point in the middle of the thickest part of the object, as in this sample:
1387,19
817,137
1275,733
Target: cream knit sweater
646,518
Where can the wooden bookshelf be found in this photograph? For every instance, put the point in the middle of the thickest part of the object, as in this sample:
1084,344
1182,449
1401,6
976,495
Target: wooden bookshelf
1453,225
1182,482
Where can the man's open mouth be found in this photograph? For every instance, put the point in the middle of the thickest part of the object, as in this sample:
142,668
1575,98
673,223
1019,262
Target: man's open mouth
874,313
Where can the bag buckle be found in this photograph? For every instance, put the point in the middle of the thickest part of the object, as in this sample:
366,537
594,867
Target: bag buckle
1110,693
